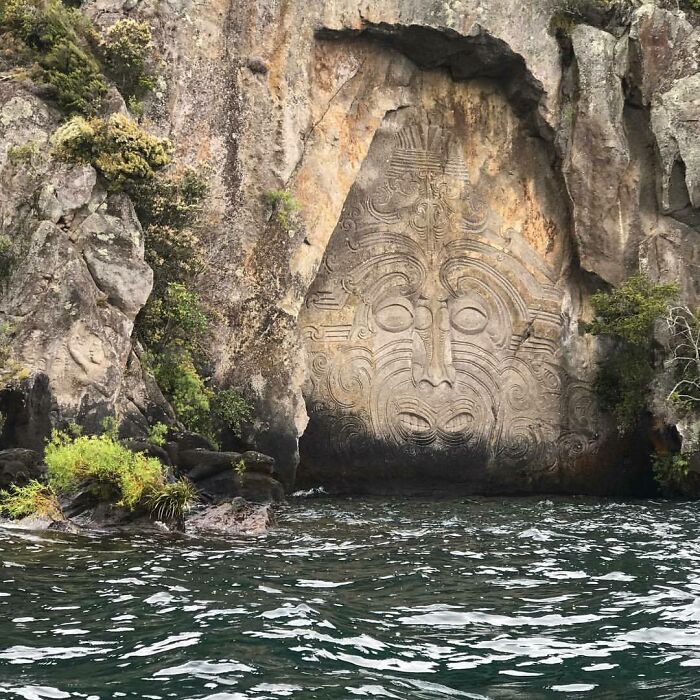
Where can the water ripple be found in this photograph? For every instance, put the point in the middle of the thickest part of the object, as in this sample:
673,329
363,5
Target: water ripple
484,599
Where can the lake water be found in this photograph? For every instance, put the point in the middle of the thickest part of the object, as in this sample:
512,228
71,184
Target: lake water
483,598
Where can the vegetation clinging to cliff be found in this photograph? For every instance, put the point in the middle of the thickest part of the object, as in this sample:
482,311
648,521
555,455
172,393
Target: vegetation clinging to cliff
627,316
127,54
175,323
121,151
57,46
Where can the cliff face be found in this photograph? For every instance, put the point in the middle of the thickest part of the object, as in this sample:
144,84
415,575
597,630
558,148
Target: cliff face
465,178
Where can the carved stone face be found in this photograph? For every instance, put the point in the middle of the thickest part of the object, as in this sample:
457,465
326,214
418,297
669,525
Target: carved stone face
425,331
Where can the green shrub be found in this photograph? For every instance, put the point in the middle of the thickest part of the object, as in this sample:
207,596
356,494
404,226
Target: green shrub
230,410
122,152
629,312
7,258
58,40
33,499
283,205
172,254
157,434
115,472
177,319
171,502
628,315
127,54
185,389
670,472
74,76
173,199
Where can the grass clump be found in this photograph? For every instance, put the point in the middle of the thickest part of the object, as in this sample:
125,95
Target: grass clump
627,315
126,50
118,148
171,502
57,39
283,205
114,472
22,155
33,499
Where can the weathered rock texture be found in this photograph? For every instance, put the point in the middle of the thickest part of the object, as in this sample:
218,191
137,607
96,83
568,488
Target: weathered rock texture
467,174
78,279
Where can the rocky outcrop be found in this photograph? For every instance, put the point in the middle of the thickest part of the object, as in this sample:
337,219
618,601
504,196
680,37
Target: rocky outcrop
236,517
19,466
77,281
464,182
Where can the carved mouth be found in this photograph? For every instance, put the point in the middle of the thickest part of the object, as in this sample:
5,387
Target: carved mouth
459,423
414,423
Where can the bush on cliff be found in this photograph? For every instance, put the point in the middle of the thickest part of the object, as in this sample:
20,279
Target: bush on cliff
627,316
175,323
123,153
127,54
58,40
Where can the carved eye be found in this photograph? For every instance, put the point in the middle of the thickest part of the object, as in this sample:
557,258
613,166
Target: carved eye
469,318
394,315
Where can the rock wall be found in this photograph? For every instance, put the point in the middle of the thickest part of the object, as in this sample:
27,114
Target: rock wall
466,178
78,280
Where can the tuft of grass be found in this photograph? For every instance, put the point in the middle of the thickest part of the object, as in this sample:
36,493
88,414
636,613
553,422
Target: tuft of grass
21,155
284,206
33,499
171,502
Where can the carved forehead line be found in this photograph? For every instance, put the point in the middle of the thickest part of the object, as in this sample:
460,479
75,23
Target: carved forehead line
495,285
514,272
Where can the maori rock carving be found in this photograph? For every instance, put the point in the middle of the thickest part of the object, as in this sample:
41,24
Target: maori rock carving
425,332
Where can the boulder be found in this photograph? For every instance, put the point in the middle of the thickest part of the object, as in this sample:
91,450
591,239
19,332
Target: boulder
19,466
259,488
234,517
258,462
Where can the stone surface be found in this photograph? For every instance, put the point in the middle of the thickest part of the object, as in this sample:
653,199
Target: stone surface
78,278
19,466
577,128
234,517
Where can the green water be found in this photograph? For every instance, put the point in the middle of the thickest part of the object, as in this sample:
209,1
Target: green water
493,598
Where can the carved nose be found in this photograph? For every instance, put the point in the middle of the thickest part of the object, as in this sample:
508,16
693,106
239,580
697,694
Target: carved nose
439,369
436,374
